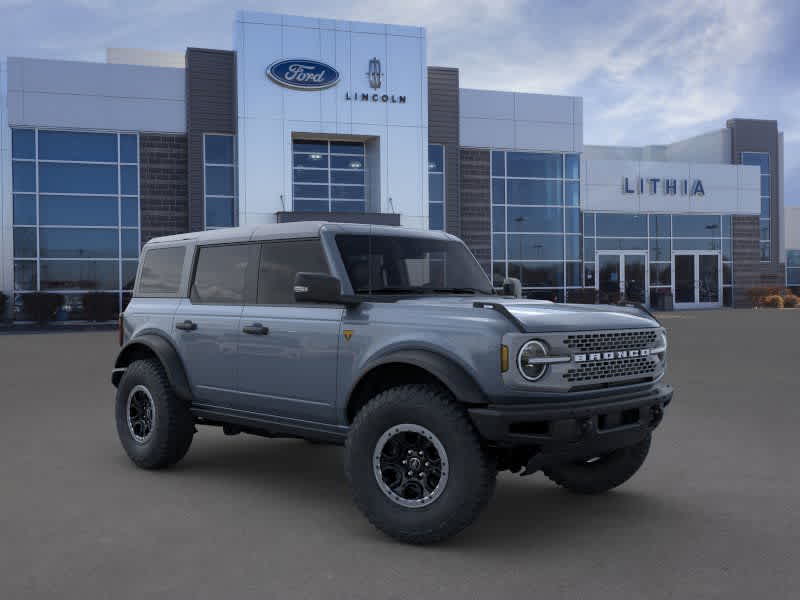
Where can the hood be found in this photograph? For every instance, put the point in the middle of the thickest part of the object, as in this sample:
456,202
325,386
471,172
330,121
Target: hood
541,316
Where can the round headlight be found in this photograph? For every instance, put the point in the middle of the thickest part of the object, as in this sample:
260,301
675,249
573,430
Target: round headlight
526,360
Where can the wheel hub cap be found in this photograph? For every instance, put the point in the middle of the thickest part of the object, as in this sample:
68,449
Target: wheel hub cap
141,413
410,465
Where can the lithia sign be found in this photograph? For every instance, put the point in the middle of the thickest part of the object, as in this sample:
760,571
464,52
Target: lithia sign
667,186
306,74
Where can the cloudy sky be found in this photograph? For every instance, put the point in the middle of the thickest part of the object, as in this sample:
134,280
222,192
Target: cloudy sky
649,71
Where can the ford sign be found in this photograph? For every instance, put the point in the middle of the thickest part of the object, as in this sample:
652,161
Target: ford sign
303,74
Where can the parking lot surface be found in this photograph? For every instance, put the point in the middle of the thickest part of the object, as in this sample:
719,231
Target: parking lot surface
714,513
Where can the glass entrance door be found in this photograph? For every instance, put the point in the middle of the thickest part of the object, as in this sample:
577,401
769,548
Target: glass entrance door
622,276
697,279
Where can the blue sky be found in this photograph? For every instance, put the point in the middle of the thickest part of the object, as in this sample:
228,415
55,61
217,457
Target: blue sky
649,72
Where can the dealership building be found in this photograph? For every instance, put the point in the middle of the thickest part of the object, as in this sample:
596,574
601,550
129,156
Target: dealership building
339,120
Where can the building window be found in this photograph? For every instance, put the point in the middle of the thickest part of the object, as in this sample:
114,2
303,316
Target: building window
76,215
536,224
658,235
219,170
328,176
761,160
793,268
436,186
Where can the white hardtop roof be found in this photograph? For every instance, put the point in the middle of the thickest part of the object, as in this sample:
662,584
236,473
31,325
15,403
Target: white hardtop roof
299,229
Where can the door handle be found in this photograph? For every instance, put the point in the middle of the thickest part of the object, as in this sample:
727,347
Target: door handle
256,329
186,326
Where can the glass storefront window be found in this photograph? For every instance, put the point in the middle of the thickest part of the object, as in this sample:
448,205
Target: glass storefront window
328,176
696,225
435,186
532,164
74,226
536,221
78,146
659,235
535,192
660,226
535,247
793,268
572,166
24,209
23,143
219,166
621,225
498,164
762,160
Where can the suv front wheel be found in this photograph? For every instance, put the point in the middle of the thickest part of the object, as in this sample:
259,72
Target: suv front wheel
153,424
416,465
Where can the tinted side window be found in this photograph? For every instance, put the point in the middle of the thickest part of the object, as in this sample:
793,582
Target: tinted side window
219,277
161,271
280,262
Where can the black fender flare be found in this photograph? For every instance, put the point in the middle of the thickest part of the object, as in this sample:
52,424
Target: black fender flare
453,376
165,352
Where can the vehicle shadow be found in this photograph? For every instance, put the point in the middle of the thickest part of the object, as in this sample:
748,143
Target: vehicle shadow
524,513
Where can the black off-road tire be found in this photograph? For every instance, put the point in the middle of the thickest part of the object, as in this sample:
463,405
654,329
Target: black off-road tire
471,476
173,426
602,474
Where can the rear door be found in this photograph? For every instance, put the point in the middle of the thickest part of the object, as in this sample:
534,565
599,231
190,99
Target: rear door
288,352
206,323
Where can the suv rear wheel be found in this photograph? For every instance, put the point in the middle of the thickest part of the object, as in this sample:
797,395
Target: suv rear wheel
416,465
153,424
602,473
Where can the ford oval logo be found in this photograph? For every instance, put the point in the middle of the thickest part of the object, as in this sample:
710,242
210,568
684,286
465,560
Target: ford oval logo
303,74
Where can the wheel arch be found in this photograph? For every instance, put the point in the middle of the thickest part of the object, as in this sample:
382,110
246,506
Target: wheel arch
152,345
412,366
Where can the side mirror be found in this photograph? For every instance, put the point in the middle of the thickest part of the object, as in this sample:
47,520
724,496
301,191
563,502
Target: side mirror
512,287
317,287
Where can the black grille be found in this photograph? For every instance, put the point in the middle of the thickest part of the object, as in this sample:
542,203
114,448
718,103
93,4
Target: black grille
612,369
610,340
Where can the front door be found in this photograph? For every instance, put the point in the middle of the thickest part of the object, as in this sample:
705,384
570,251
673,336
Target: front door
288,353
697,279
622,276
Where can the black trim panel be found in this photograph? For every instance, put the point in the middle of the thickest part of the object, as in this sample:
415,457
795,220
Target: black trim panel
166,354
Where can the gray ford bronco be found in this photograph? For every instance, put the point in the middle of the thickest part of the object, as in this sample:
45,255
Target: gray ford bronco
393,343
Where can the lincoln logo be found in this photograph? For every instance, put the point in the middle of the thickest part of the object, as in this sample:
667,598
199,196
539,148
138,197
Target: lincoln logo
301,74
374,74
595,356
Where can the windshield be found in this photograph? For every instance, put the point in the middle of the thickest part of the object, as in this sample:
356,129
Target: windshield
410,265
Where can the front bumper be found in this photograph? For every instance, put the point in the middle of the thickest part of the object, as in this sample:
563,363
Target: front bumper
574,429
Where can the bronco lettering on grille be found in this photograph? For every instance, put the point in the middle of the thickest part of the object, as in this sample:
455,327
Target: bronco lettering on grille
610,355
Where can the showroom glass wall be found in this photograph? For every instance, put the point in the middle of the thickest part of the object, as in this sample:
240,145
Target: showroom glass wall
435,186
76,215
761,160
219,170
659,236
793,268
536,221
328,176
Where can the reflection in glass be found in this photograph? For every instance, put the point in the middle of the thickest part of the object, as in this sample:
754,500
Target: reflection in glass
77,210
622,225
66,178
79,275
535,247
531,164
78,243
77,146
